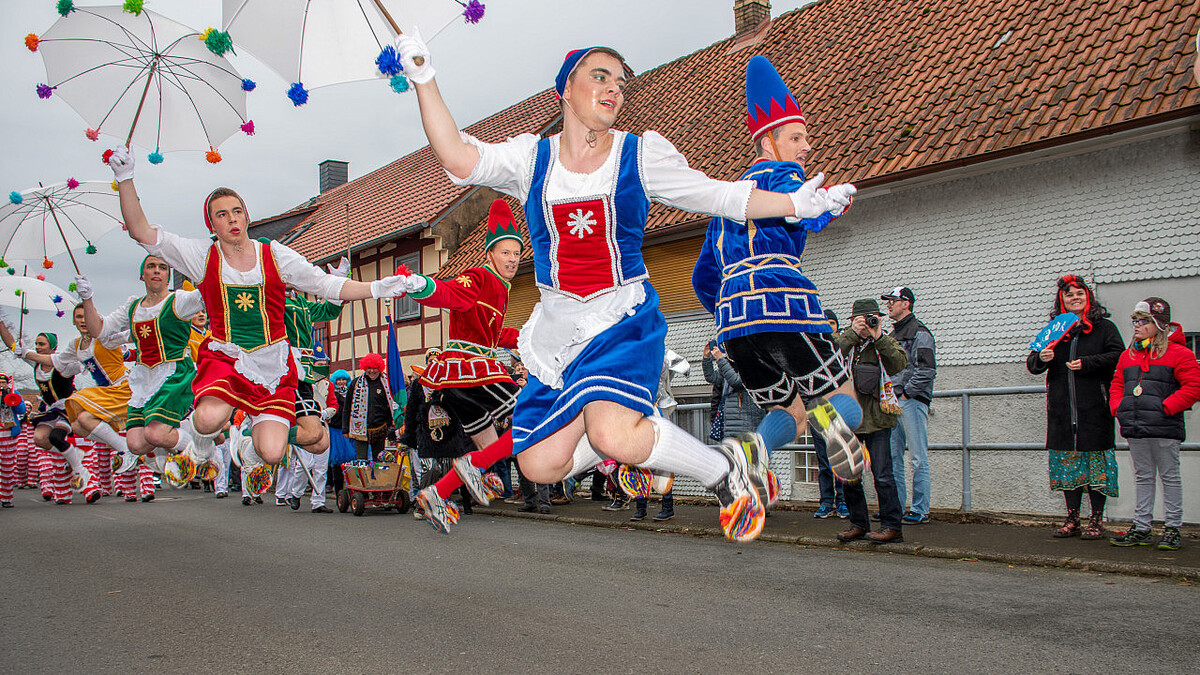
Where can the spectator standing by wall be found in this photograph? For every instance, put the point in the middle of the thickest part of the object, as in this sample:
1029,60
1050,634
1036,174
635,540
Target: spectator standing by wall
914,389
367,415
871,355
1156,380
1080,435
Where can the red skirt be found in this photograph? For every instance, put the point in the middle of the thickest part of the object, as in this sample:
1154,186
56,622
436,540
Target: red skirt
216,376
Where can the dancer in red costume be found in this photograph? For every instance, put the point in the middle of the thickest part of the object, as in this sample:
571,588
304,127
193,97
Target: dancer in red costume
467,380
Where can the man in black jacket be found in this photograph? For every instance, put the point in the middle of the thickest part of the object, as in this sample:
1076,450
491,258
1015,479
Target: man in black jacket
914,388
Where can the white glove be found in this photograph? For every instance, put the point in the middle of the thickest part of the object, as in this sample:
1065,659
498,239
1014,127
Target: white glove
839,197
83,287
411,48
342,269
327,414
121,162
388,287
22,351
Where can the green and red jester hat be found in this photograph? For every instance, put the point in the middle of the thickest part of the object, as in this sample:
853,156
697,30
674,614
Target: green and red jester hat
501,225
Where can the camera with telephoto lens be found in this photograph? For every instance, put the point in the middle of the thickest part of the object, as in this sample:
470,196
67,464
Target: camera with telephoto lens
872,320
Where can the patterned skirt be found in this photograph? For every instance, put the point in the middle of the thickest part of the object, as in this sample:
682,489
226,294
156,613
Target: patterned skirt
1095,469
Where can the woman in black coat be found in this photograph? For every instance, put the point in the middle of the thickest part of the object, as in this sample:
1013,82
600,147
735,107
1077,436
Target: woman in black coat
1080,434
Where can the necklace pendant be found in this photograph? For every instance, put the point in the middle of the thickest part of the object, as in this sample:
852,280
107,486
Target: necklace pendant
1137,391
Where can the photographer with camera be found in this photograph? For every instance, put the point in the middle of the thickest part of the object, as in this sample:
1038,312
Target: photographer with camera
872,355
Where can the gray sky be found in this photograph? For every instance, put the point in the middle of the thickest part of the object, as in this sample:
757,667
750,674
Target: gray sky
512,53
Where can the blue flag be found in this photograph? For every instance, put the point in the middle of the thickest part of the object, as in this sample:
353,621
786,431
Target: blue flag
395,369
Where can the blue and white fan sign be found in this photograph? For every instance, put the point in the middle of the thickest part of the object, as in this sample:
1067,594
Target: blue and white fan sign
1054,331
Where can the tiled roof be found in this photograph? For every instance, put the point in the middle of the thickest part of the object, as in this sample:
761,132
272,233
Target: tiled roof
412,190
892,88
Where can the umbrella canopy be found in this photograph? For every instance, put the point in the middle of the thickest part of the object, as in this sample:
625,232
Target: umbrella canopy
31,293
144,79
316,43
43,222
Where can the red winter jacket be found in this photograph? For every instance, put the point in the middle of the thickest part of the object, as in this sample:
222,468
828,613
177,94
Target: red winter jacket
1169,385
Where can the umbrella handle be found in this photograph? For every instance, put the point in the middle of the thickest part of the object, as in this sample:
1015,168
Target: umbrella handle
420,60
136,115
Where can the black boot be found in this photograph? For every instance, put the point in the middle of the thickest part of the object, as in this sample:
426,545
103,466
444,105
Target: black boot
668,508
640,513
598,487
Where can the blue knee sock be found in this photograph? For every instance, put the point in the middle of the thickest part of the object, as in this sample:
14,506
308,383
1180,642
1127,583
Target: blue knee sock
777,429
848,408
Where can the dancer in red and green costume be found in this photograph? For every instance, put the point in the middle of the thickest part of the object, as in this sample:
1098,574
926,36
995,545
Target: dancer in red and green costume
468,381
246,363
160,381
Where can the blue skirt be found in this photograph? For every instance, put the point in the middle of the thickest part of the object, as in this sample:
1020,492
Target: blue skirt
622,365
341,450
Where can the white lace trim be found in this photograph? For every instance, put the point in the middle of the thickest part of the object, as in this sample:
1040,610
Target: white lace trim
145,381
264,366
560,327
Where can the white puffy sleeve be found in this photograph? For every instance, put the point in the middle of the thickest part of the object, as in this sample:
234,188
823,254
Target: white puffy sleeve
669,180
506,167
116,321
188,303
66,361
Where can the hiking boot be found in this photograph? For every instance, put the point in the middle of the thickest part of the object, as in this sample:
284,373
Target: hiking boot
472,480
742,513
847,456
618,503
440,513
1170,540
1070,527
640,512
824,512
1134,537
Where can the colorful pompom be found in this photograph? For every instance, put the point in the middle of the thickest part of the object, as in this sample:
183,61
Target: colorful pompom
3,263
248,127
92,134
473,11
60,314
41,277
403,271
72,183
248,84
399,83
91,249
44,91
12,270
47,263
133,7
65,7
57,299
24,310
114,186
15,197
212,155
17,292
298,94
155,157
71,287
388,62
217,41
106,155
31,42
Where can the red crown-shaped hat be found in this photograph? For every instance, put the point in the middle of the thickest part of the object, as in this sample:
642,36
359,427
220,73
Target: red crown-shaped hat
501,225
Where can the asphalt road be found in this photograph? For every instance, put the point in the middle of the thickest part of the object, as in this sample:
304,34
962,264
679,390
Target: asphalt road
200,585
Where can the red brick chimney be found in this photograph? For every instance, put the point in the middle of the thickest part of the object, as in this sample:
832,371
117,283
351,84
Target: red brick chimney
748,15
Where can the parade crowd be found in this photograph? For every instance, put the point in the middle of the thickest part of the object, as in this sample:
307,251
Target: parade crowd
197,383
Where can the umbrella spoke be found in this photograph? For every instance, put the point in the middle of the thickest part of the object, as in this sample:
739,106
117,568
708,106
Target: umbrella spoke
183,71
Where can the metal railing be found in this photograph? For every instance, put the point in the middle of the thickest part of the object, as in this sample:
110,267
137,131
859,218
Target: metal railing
693,418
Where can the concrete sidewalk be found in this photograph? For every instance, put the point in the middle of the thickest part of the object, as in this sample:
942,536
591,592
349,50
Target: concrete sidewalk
977,536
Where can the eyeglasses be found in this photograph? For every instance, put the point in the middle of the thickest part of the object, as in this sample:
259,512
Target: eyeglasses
1138,323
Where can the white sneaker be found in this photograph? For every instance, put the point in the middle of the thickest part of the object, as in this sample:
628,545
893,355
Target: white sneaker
472,480
124,462
441,513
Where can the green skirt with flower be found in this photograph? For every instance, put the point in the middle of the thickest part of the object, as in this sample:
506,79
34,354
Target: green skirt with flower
1095,469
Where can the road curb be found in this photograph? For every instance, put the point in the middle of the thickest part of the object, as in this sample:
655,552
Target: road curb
944,552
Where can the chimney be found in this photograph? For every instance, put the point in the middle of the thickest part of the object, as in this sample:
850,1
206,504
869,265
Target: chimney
332,173
748,15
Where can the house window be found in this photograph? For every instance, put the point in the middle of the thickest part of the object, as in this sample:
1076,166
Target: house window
1193,343
404,308
806,467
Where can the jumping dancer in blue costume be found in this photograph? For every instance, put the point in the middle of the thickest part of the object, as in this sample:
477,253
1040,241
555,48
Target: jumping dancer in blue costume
769,317
586,193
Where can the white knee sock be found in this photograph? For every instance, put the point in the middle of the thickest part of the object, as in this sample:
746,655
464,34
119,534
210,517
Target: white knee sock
74,457
108,436
203,442
586,457
183,441
677,451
